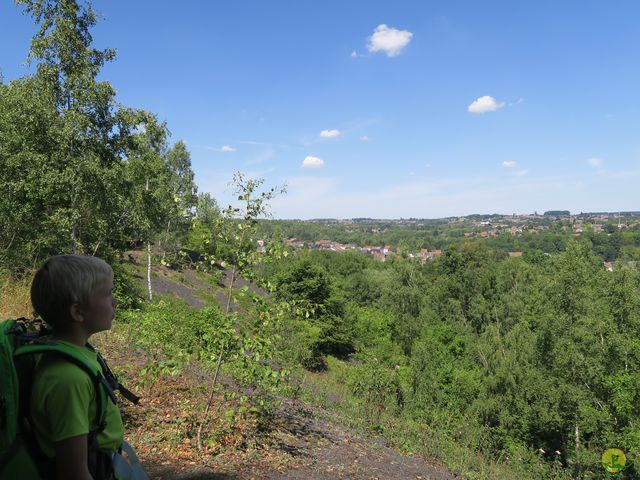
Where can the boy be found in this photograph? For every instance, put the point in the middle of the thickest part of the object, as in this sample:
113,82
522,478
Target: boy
74,295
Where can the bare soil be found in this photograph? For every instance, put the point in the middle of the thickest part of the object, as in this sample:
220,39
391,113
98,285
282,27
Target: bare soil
325,449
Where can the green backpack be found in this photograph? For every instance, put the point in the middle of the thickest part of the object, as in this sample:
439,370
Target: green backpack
20,455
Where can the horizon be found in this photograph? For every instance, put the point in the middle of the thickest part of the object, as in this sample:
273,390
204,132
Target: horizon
408,110
547,213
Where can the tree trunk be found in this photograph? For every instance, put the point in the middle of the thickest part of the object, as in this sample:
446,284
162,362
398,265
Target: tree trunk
74,240
218,364
149,258
626,361
577,439
74,194
209,402
149,271
230,292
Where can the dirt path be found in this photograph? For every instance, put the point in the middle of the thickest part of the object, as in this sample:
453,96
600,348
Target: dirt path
307,443
325,449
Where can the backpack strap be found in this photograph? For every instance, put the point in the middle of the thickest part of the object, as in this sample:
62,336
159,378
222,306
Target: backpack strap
112,379
103,390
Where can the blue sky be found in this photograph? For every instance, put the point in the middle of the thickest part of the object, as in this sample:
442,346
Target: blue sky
428,109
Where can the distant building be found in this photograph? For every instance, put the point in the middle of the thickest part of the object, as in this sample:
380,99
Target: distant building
322,245
425,255
295,243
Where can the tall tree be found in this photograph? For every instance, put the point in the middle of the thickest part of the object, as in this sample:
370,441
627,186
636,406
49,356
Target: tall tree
182,179
72,159
29,133
69,65
184,192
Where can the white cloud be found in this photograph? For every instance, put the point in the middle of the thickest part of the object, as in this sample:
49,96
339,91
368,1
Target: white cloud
389,40
595,162
312,162
522,173
228,149
330,133
509,164
485,104
364,138
354,54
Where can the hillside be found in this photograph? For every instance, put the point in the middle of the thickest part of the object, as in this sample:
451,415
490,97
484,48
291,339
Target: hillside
299,440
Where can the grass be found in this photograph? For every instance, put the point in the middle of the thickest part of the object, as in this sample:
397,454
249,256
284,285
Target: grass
15,300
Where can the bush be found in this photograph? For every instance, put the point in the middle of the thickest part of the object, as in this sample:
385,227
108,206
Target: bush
126,289
379,390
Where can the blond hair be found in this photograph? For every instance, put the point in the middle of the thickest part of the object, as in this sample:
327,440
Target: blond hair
63,280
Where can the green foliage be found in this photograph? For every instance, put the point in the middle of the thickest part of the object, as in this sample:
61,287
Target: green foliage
79,172
373,336
443,376
207,215
378,388
127,290
181,208
175,335
172,328
307,285
516,358
308,289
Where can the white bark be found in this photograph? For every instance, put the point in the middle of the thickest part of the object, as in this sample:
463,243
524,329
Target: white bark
149,259
577,434
149,271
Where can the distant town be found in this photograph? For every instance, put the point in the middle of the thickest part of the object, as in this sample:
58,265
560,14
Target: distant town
471,226
629,218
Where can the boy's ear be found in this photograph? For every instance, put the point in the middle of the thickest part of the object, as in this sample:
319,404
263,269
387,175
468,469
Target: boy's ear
75,312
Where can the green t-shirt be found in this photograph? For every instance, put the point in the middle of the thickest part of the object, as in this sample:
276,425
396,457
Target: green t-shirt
63,403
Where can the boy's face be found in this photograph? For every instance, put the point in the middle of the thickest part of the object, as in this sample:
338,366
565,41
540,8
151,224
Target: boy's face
100,312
